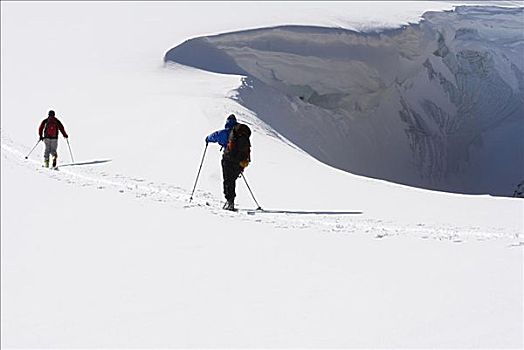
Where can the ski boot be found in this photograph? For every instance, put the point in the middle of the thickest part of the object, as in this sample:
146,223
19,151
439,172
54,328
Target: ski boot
230,205
54,162
46,163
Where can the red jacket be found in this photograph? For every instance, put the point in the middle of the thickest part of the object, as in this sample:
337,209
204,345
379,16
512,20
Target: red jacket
49,128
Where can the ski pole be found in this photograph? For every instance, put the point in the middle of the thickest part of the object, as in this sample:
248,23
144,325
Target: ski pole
249,188
33,149
71,153
198,174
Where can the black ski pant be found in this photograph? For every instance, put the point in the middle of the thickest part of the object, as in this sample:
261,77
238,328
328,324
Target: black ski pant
231,171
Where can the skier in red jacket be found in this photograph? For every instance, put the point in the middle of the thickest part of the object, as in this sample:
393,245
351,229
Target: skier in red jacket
48,132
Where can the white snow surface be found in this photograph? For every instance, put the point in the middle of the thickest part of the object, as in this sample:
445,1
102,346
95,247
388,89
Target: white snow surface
111,253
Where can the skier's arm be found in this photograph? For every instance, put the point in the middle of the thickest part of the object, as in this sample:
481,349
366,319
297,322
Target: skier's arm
62,130
41,129
214,137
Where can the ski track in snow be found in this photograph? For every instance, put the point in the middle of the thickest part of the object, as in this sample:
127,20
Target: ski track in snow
178,198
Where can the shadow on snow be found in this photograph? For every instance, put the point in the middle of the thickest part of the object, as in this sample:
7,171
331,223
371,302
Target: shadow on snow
87,163
303,212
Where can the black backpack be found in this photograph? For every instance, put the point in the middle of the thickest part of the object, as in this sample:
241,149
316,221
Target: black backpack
238,146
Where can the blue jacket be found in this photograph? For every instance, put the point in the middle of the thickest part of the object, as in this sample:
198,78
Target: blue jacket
222,136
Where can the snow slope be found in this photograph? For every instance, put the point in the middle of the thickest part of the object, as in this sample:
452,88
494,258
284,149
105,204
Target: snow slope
112,254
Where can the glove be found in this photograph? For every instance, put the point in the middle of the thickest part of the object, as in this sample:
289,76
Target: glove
207,141
244,164
41,138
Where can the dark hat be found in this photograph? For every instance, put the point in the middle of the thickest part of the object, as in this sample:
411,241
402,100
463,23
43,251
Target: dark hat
51,113
232,117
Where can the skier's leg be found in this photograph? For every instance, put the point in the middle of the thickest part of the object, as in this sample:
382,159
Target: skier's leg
231,172
235,173
54,146
46,152
226,172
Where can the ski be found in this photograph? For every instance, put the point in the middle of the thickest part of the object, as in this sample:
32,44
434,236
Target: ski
50,167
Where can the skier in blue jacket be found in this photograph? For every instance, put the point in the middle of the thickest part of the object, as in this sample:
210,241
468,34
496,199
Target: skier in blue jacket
230,170
222,136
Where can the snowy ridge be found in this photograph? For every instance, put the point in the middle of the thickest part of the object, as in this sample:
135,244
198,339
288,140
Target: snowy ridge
323,221
425,105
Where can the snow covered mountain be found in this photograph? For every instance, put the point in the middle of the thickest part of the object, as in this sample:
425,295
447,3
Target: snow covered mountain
107,252
437,104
